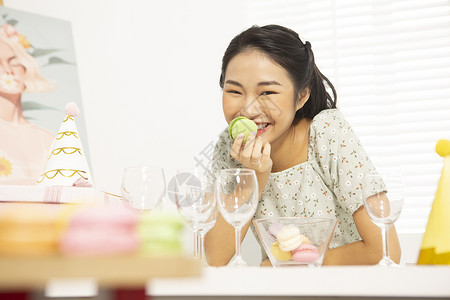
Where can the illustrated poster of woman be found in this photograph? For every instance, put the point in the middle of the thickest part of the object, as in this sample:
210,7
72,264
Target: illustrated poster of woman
31,104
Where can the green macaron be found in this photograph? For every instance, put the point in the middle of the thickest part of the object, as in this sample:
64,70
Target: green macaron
160,234
241,125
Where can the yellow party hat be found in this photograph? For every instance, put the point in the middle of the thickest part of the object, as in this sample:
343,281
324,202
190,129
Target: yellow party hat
435,247
66,162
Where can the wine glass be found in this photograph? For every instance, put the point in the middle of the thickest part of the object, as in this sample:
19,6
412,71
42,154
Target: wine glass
193,192
237,199
203,228
383,194
143,188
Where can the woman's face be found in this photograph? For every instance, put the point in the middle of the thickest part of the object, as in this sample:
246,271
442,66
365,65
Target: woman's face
12,73
257,88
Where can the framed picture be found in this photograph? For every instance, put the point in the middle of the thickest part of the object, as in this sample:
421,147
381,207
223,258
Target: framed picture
38,77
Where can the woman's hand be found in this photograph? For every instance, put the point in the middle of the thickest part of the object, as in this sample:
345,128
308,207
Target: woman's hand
254,154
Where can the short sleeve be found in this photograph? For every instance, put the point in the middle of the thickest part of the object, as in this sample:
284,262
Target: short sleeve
340,157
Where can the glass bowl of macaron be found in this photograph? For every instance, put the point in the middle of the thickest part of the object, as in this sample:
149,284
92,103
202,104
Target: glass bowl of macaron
295,241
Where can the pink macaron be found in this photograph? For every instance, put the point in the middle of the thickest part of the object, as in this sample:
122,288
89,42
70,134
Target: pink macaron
305,253
100,231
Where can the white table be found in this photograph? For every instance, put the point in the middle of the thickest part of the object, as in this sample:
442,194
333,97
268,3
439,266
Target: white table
359,281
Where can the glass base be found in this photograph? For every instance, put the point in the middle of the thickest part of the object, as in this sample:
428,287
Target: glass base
237,261
387,262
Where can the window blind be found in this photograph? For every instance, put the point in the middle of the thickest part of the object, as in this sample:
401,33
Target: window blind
390,63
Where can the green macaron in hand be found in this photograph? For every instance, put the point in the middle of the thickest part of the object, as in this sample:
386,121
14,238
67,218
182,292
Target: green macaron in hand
241,125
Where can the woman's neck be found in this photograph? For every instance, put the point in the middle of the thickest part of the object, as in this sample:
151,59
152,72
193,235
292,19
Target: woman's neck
11,109
293,149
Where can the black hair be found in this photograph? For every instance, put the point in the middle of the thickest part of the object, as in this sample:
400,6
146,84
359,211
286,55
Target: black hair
286,49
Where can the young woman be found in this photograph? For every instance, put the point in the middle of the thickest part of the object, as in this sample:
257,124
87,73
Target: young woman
23,146
307,159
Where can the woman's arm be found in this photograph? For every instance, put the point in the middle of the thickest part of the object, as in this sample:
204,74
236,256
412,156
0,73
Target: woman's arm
347,162
219,241
367,251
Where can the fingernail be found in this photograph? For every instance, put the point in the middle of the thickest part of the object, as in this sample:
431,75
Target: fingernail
253,133
240,136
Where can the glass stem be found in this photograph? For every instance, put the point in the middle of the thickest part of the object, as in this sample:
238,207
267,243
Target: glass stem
202,248
238,241
196,245
384,237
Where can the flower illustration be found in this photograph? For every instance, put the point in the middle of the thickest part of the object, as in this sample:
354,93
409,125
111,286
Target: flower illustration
24,42
8,83
5,167
9,31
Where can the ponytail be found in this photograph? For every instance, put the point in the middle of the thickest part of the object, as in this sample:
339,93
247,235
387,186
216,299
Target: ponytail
319,98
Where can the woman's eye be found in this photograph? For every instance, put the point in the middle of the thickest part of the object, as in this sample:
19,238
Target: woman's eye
267,93
233,92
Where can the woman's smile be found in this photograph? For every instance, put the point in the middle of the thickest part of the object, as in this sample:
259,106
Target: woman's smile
262,127
257,88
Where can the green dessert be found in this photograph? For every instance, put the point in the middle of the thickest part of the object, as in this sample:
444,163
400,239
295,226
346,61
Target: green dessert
160,234
241,125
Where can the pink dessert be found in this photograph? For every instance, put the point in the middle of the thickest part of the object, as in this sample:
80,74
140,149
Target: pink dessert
305,253
100,230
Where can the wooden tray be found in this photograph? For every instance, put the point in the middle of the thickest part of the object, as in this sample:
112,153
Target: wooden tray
111,271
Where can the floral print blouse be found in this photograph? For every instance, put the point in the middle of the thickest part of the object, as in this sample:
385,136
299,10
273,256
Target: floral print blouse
327,184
